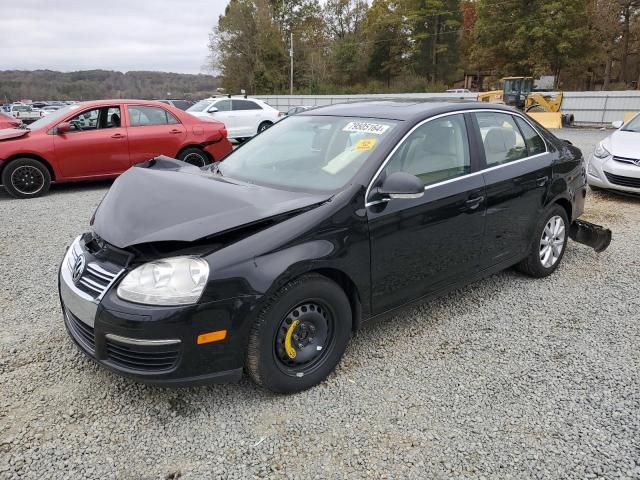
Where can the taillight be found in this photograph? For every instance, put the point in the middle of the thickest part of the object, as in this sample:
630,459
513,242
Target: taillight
223,131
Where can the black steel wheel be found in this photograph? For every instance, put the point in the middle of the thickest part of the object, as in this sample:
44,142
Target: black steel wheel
300,335
194,156
26,178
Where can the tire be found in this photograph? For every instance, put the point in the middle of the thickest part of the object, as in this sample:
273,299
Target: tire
536,108
194,156
319,339
264,125
26,178
542,262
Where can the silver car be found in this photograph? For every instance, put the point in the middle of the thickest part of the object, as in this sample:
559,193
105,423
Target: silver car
615,163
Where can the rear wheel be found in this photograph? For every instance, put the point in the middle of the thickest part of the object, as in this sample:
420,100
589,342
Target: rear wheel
263,126
26,178
300,336
548,244
194,156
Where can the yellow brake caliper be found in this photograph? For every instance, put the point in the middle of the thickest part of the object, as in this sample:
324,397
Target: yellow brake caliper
291,352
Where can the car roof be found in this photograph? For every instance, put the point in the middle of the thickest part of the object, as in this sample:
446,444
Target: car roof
99,103
410,109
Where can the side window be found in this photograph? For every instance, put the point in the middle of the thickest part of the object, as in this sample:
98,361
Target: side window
503,142
435,151
103,117
245,105
535,143
141,116
223,105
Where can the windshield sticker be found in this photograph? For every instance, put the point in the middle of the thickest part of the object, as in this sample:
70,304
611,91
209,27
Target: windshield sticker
365,144
366,127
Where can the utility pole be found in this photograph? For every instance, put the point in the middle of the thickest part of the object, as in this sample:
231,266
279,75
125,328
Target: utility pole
291,55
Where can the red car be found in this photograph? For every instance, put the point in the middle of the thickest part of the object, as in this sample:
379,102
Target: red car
100,140
8,121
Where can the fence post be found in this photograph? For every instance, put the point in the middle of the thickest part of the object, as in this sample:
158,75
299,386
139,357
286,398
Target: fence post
604,109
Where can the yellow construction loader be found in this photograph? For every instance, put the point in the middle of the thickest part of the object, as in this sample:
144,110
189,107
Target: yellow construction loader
518,92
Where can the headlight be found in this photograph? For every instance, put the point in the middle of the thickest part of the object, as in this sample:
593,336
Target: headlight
600,151
170,281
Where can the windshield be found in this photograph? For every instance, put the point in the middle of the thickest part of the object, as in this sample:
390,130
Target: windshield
318,153
633,125
201,106
52,117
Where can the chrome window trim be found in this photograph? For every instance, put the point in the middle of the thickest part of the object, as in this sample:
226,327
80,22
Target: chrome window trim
139,341
433,185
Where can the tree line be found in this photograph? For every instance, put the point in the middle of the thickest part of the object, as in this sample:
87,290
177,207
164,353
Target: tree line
358,46
97,84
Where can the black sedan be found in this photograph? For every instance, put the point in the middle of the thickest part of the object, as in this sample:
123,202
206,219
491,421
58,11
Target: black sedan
269,261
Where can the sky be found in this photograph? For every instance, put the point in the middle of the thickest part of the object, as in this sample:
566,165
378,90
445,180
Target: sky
123,35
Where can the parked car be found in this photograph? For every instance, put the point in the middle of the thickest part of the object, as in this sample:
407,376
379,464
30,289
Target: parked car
26,113
8,121
181,104
458,90
99,140
243,117
615,162
50,108
327,220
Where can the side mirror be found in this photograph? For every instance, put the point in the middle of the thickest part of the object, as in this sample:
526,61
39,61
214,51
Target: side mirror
63,128
401,185
617,124
212,110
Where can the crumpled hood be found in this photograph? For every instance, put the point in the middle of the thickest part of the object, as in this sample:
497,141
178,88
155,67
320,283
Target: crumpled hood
172,201
7,133
624,144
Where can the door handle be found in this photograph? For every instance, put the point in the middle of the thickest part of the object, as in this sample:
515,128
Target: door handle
473,203
118,135
175,130
542,181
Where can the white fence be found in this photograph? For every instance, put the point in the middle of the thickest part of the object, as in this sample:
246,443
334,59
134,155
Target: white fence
588,108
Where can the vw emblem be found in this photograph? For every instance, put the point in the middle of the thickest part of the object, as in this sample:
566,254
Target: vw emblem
78,268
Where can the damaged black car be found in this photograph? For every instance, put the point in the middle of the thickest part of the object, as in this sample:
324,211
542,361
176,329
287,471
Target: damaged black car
269,261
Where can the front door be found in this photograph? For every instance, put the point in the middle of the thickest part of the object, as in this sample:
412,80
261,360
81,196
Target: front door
228,117
517,176
153,131
96,145
419,246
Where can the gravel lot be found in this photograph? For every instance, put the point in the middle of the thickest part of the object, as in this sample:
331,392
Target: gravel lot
508,378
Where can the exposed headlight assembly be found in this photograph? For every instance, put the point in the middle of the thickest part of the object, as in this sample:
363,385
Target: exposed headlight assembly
600,151
170,281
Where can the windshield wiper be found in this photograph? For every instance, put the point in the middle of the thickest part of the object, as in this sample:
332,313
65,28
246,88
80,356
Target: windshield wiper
215,168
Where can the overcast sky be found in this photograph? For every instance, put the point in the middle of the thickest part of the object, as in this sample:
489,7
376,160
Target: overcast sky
166,35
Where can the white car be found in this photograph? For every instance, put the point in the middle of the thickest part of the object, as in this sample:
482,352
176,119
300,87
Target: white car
615,163
243,117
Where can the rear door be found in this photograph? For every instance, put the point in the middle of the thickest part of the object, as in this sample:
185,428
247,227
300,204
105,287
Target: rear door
249,116
153,131
419,246
96,145
517,173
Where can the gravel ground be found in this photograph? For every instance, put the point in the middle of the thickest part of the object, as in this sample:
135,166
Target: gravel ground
507,378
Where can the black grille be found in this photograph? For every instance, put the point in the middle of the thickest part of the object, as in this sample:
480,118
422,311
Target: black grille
623,181
95,279
633,161
143,357
82,332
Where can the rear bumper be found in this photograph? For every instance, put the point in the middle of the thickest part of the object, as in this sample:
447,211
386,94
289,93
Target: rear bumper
219,150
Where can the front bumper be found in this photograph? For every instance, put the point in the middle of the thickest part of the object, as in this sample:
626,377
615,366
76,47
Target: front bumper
149,343
613,175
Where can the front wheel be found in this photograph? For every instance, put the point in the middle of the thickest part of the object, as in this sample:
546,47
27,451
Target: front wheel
194,156
300,336
26,178
548,245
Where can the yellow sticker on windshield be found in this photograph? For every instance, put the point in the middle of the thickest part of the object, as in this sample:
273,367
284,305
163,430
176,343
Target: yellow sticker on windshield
365,144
